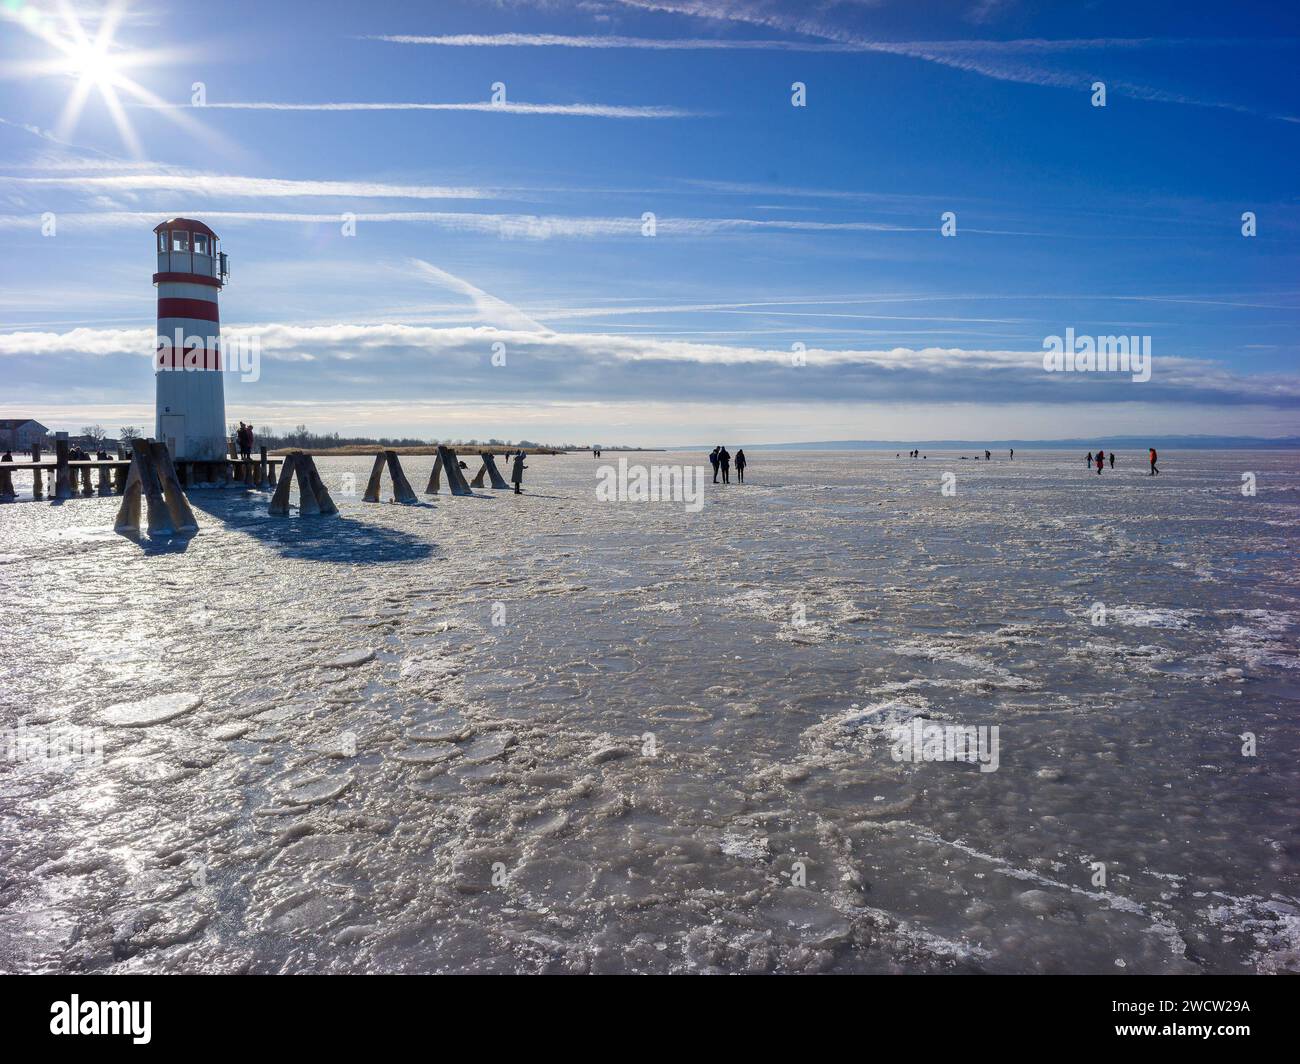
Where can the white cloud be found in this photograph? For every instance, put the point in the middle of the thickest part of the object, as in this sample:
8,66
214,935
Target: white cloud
1005,374
522,226
579,110
490,309
227,185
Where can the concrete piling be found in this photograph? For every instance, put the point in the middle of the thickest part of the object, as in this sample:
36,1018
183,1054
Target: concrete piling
105,482
318,488
308,506
152,476
489,468
448,461
402,491
178,507
38,487
62,471
280,500
313,497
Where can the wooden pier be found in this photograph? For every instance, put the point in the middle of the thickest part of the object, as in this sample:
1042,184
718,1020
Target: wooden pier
72,478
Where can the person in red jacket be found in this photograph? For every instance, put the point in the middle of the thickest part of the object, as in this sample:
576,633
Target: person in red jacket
1152,455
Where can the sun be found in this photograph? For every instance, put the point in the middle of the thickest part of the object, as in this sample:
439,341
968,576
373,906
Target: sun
82,46
90,61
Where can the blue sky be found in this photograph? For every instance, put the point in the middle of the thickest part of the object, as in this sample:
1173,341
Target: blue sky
775,226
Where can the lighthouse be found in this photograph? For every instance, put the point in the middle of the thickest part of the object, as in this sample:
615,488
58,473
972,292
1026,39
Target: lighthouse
190,398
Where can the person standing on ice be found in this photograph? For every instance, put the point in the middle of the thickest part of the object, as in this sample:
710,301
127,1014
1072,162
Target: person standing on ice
1151,454
1111,456
517,474
741,462
724,460
1013,455
713,460
1101,461
1088,461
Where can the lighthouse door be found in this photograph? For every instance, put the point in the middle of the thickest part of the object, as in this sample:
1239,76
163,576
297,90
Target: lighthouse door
173,433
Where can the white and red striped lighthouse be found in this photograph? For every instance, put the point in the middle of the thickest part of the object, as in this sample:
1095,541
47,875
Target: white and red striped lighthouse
190,397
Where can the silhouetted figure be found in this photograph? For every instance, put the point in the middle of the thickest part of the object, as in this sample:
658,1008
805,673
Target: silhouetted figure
517,474
1152,455
1088,461
741,463
1111,456
1013,454
1101,461
713,458
988,456
724,461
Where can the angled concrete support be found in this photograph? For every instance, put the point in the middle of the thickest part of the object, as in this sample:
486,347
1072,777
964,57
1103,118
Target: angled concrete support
401,486
318,488
128,514
490,468
142,480
313,498
280,500
455,478
402,491
307,504
157,513
375,482
178,506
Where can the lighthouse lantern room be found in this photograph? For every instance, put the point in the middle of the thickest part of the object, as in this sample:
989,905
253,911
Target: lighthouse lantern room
190,403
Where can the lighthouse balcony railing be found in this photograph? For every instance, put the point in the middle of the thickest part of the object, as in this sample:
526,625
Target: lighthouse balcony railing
194,262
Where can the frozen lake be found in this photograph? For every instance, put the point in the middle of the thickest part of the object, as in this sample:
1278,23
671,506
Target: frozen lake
549,733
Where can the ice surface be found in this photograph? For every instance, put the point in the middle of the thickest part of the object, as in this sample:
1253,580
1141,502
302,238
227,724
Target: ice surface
155,710
543,733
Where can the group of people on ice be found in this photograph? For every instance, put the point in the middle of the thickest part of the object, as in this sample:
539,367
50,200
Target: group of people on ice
1101,457
720,459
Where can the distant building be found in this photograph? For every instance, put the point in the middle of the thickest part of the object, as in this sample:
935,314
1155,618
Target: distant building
20,434
90,443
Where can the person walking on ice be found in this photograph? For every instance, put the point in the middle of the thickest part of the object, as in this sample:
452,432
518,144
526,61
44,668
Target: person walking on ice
517,473
1101,461
1151,454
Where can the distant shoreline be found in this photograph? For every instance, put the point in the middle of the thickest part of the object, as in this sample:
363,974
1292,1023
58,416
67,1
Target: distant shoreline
367,450
1102,439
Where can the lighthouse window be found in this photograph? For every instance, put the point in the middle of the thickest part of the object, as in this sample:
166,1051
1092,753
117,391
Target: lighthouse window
162,240
200,243
180,240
